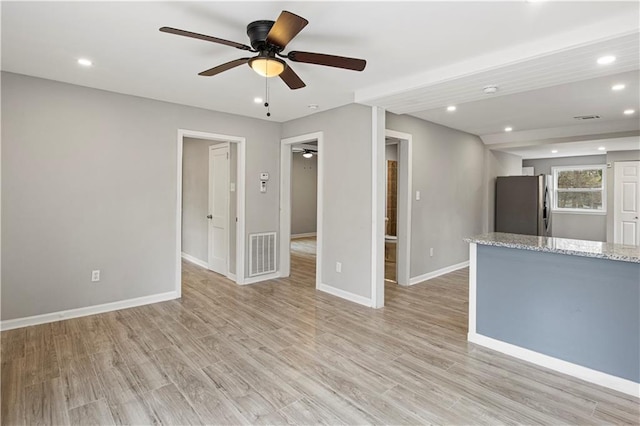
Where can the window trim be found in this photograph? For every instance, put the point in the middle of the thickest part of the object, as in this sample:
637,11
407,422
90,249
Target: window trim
554,172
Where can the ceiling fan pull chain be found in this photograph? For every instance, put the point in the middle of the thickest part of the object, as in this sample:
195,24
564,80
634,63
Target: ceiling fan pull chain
266,95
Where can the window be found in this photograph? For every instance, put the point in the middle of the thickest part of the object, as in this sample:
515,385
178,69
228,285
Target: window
579,189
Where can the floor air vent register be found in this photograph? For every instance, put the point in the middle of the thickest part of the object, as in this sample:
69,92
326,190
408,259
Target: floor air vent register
262,253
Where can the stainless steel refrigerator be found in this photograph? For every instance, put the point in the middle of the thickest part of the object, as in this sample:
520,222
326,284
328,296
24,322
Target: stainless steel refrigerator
523,205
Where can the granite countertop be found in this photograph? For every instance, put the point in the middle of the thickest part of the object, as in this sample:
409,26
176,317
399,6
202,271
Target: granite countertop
560,245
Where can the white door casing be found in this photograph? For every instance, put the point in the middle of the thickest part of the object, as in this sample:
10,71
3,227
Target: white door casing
405,177
219,208
285,202
240,201
626,202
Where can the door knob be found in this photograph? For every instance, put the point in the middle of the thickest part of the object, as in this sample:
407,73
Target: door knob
209,216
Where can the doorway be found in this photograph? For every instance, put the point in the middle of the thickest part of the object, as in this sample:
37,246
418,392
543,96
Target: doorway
397,235
311,143
391,210
215,242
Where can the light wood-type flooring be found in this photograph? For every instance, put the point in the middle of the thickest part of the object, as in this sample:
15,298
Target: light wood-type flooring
281,352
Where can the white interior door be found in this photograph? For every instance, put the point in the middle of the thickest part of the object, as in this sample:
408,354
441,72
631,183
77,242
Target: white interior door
218,208
626,200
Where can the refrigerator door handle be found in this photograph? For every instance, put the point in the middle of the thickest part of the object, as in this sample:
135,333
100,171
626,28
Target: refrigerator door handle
547,209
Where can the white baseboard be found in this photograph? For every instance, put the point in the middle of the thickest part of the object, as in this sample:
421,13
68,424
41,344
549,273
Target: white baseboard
437,273
260,278
85,311
305,235
231,276
587,374
345,295
195,260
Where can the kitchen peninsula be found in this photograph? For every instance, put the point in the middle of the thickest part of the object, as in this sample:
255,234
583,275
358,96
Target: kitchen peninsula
569,305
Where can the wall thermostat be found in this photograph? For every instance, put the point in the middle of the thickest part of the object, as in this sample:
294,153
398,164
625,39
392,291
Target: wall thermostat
264,176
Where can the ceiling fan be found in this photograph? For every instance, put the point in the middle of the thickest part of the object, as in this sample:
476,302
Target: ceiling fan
306,151
268,39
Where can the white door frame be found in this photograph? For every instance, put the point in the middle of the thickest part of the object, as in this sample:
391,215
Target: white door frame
285,202
240,203
210,202
405,179
405,176
617,200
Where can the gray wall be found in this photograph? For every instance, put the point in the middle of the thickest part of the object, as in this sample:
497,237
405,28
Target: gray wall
89,182
572,308
496,164
448,171
591,227
347,216
304,194
612,157
195,199
391,153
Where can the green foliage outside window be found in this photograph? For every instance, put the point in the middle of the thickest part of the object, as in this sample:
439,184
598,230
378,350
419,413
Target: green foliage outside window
580,179
579,188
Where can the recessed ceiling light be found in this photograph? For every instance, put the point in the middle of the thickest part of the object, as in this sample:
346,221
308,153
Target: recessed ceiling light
554,151
618,87
257,100
451,108
605,60
629,111
508,129
601,148
313,106
85,62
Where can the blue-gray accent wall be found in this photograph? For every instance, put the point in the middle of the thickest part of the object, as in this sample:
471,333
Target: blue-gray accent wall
582,310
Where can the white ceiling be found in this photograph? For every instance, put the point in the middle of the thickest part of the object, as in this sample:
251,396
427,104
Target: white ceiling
554,106
408,45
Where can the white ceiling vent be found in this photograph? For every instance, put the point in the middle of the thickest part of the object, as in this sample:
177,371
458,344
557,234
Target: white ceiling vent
587,117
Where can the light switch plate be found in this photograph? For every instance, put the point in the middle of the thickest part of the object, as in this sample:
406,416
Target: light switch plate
417,195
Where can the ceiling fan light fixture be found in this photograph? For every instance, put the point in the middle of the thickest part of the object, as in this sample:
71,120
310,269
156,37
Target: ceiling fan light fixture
267,66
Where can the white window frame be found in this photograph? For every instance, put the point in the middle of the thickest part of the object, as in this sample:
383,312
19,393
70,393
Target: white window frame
556,170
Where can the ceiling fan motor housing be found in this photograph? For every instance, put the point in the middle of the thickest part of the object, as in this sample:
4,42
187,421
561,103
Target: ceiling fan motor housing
257,32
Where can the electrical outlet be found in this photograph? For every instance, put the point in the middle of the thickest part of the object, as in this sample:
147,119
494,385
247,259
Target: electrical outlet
338,267
417,195
95,276
431,252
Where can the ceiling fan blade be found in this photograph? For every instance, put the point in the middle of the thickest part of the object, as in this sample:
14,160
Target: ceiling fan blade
286,28
224,67
204,37
291,79
328,60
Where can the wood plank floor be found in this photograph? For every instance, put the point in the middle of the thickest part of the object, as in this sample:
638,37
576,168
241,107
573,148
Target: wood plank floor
283,353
